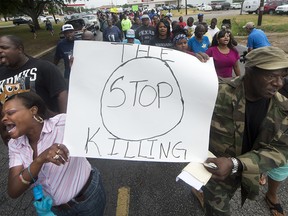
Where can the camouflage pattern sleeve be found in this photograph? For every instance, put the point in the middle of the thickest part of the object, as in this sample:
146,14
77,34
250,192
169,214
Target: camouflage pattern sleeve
270,149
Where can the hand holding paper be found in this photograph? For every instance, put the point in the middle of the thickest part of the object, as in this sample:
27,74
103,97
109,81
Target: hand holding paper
224,167
195,173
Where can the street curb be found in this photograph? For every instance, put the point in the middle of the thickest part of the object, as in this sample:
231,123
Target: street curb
39,55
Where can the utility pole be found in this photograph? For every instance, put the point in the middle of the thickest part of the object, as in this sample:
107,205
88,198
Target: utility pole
186,6
261,9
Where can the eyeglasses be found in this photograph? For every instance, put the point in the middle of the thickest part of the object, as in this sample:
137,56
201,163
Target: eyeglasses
270,77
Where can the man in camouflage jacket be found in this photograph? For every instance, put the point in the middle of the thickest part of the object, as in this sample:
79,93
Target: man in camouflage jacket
239,163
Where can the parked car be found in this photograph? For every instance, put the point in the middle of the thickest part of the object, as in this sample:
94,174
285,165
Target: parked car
166,7
222,6
93,20
270,7
251,6
51,18
79,25
20,20
204,7
172,6
283,9
235,6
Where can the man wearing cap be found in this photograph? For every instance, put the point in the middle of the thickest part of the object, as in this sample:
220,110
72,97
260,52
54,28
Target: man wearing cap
64,49
145,32
257,38
248,133
200,19
130,37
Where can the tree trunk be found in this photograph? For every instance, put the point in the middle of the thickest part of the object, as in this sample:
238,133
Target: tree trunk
35,21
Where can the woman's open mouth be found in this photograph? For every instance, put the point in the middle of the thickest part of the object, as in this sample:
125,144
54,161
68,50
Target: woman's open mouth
10,128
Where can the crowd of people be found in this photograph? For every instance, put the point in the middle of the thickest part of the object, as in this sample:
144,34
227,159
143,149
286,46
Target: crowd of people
248,128
161,30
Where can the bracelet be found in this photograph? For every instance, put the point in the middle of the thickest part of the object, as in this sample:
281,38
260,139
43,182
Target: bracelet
23,180
31,174
235,165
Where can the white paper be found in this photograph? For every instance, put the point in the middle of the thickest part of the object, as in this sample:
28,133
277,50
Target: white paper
195,174
137,102
189,179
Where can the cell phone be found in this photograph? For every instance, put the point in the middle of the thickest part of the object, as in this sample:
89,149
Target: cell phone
210,165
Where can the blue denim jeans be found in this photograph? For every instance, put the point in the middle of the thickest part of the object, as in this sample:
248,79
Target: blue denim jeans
93,205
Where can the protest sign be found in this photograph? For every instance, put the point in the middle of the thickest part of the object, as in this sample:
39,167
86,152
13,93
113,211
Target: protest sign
138,102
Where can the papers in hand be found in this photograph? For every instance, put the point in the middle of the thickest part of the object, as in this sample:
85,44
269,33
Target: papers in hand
195,174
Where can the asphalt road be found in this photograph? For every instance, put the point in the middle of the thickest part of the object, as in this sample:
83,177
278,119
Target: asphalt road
152,189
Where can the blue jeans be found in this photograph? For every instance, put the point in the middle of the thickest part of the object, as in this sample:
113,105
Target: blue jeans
95,203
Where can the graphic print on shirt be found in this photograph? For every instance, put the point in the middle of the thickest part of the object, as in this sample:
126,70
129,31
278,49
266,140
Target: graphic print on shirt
111,37
14,88
21,82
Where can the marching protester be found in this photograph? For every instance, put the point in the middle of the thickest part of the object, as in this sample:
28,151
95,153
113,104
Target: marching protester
253,115
145,32
88,35
181,23
112,33
32,28
38,157
64,49
26,73
225,55
162,36
190,27
212,28
200,17
130,37
180,42
49,26
125,24
199,42
256,38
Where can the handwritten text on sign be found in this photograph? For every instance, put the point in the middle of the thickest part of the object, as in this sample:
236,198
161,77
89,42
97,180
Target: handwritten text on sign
138,102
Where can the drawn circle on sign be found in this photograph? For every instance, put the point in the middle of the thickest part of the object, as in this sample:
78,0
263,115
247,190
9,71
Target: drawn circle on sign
139,102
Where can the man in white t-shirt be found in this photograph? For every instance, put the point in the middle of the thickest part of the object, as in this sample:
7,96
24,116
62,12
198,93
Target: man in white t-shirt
213,29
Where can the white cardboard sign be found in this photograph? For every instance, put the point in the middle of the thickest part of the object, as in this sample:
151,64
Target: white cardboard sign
138,102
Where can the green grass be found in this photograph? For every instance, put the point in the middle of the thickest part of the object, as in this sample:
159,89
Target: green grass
33,46
270,23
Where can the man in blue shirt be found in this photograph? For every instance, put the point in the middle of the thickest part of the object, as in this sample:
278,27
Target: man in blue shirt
199,42
256,38
64,49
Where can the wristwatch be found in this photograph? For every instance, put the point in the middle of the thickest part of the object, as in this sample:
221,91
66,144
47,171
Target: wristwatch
235,165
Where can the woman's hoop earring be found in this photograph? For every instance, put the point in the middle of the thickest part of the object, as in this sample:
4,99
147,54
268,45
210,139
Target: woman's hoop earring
38,119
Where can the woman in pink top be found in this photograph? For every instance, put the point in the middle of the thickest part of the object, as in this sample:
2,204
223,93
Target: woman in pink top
37,157
224,54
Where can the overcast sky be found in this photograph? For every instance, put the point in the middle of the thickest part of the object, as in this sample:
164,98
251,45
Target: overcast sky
98,3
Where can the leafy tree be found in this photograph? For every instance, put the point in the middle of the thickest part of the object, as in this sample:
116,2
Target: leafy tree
34,8
6,9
